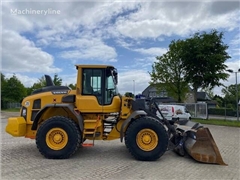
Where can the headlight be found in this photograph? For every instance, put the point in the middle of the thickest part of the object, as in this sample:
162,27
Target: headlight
24,112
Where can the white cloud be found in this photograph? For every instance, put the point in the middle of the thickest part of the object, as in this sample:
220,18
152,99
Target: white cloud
234,49
134,78
233,65
153,51
156,19
91,48
21,55
83,29
69,78
73,16
25,80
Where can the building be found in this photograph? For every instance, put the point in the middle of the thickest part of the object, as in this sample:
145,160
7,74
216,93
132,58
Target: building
162,97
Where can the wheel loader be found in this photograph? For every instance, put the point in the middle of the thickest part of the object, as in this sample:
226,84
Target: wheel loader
61,120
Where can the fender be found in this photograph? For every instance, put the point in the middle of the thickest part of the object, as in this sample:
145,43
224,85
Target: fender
126,122
69,106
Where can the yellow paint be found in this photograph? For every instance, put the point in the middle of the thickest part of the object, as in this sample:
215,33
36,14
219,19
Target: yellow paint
87,106
16,126
125,107
52,111
56,138
29,132
147,139
93,126
115,133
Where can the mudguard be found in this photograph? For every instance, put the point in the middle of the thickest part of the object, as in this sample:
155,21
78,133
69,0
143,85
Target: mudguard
69,106
127,121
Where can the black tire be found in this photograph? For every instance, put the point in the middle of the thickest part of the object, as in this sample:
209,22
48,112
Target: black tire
72,141
144,123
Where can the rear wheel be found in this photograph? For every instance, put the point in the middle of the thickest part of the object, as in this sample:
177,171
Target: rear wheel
58,138
146,139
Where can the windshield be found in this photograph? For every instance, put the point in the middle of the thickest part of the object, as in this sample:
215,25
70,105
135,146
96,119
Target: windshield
112,82
111,86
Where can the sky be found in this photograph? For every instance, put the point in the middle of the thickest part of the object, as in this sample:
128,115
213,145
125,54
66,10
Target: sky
48,37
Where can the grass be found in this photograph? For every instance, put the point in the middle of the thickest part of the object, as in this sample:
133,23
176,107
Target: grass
218,122
11,110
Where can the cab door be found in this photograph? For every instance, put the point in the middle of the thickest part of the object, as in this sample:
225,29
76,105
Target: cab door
90,95
97,92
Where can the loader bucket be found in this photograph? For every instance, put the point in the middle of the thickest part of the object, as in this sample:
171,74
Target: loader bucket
203,147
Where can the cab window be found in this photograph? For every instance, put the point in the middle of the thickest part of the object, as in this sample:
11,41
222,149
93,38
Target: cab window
92,83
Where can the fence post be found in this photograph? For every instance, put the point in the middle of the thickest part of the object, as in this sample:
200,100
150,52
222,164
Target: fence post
195,110
225,112
207,110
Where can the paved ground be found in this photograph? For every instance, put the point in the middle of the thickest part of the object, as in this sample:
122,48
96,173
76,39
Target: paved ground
20,159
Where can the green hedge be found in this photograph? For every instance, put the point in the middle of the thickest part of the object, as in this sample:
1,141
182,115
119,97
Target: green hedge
221,111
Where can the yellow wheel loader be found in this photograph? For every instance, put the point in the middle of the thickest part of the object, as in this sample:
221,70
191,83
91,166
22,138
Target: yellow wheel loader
61,119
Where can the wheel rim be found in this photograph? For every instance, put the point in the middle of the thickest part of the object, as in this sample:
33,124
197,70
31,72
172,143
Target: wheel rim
147,139
56,138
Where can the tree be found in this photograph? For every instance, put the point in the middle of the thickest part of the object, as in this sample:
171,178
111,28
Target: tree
203,57
3,81
208,91
73,87
168,72
42,82
129,94
230,95
57,80
3,84
220,101
13,90
29,90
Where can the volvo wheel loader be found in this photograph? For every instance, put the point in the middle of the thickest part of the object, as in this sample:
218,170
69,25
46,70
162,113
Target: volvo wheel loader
61,119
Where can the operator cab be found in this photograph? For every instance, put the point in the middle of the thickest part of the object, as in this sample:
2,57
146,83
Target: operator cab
97,84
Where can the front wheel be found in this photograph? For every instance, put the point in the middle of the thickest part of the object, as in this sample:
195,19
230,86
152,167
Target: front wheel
146,139
58,138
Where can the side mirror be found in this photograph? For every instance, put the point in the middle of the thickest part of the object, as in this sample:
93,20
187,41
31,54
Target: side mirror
115,75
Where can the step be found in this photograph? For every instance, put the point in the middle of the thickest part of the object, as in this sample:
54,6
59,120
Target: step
90,124
90,120
90,134
88,145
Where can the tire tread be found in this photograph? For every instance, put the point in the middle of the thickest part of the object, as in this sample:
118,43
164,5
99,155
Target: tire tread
70,122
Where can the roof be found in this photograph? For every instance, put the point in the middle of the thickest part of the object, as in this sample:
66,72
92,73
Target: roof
153,88
147,89
203,96
212,102
165,99
93,66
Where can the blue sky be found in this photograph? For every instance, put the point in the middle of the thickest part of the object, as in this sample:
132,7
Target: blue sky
51,37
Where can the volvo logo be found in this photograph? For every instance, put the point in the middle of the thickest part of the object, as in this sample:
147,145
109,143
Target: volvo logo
59,92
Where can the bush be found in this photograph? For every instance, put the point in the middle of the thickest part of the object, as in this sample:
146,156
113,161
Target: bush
221,111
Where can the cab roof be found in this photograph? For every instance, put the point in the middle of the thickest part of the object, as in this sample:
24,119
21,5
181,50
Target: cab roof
93,66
